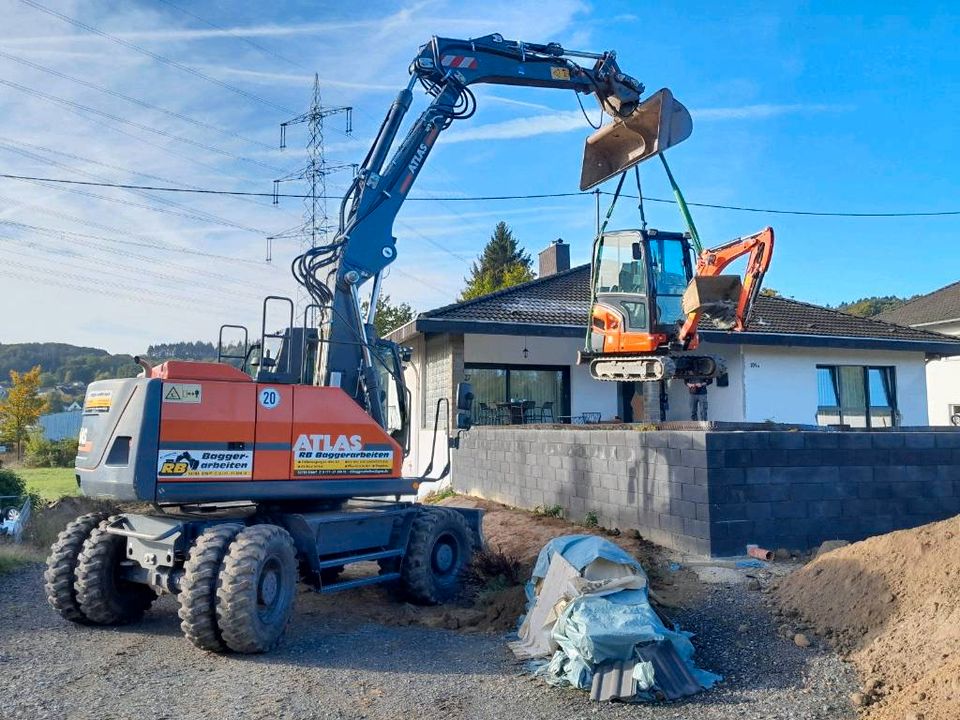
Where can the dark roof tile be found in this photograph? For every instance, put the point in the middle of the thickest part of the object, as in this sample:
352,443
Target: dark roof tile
564,299
938,306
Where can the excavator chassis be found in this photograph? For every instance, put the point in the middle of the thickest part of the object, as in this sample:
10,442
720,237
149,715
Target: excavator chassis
652,368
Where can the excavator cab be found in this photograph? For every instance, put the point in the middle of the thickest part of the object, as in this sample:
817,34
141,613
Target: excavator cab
639,280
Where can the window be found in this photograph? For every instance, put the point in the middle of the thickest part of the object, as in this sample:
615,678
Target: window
668,262
507,394
856,396
620,271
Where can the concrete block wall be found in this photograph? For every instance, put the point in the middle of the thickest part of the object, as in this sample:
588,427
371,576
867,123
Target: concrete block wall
710,492
797,489
655,482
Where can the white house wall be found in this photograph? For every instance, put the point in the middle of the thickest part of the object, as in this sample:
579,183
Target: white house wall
586,394
780,384
943,379
725,403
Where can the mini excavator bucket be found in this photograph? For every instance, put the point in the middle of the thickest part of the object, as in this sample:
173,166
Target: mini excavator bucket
659,122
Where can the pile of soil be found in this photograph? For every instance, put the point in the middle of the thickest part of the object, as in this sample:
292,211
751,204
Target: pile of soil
891,604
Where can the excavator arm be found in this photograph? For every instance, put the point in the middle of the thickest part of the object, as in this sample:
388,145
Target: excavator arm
364,245
712,262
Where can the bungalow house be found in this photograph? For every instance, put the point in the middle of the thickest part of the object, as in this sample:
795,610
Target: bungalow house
794,363
938,311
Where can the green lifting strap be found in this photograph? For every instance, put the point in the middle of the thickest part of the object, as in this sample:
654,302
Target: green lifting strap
588,340
684,210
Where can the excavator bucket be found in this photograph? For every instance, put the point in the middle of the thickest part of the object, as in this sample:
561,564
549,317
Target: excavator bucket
659,122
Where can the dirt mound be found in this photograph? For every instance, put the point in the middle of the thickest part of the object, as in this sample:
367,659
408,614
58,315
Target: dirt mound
892,605
51,518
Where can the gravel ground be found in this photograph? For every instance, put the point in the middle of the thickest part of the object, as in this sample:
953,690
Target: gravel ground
329,667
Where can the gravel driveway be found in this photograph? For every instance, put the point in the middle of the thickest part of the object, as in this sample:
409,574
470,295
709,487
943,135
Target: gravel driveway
330,667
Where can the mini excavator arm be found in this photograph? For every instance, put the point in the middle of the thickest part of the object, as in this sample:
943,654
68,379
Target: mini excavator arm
713,261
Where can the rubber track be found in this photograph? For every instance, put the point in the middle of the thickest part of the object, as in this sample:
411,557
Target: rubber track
60,574
97,559
198,589
417,571
237,594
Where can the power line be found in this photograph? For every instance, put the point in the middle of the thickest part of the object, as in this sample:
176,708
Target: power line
534,196
155,56
140,126
134,100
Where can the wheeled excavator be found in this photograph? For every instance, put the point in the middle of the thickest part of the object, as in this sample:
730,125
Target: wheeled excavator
282,461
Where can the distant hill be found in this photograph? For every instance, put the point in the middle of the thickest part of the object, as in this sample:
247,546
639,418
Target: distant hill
63,363
870,306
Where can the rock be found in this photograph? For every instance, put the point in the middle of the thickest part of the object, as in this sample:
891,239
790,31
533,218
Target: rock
743,629
781,554
873,684
858,700
829,545
753,585
801,640
913,716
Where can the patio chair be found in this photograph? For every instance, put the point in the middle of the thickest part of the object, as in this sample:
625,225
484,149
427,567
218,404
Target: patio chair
546,413
486,415
528,410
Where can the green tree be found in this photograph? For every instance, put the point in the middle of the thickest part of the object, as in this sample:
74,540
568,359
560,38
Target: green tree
502,264
770,292
22,407
389,316
870,306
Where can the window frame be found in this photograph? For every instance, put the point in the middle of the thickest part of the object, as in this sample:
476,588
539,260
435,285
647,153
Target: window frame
563,410
865,380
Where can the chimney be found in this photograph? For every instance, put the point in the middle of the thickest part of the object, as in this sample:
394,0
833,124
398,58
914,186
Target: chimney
555,259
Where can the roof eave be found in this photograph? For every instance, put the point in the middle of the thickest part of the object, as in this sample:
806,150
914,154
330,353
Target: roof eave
933,347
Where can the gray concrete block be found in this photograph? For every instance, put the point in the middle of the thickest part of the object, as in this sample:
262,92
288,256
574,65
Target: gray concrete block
719,476
767,493
693,458
948,439
874,489
728,494
703,511
683,508
694,493
696,528
738,458
807,491
922,440
821,440
786,440
680,439
824,509
887,439
788,509
671,524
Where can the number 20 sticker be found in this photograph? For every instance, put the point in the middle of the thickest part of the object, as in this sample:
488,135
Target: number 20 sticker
269,398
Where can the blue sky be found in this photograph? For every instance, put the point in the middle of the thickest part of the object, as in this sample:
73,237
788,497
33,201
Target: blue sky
796,106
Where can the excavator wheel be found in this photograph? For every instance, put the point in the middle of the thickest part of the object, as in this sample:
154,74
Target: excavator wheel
438,552
60,575
257,587
198,589
103,595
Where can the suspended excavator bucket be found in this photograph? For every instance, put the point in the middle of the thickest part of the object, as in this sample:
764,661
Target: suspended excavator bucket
716,296
659,122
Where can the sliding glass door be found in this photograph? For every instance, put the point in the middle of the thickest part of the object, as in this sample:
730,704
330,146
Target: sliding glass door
508,394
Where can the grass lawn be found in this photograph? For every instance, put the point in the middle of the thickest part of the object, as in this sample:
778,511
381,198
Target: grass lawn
50,483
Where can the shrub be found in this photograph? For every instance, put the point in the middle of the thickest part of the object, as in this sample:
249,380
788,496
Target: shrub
590,520
495,570
549,511
11,483
41,452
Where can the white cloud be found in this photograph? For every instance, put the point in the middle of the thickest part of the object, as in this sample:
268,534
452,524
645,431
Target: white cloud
762,111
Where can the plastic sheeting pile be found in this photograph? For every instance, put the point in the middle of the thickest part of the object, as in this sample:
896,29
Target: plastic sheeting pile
590,625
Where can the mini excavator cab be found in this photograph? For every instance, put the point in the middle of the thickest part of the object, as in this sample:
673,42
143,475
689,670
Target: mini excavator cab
639,282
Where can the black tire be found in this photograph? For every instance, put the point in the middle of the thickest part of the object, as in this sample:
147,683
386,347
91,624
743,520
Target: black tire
257,588
438,552
198,589
103,596
60,574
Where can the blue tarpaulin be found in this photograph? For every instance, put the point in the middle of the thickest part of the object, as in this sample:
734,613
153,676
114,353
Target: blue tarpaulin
598,628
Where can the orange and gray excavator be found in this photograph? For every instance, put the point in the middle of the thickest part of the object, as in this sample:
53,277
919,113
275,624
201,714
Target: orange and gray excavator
282,461
650,291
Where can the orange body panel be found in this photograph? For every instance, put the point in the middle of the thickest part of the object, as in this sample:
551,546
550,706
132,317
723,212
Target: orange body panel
607,323
239,430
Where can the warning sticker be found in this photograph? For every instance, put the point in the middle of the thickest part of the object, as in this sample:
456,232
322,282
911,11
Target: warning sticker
205,463
339,455
560,73
98,401
181,392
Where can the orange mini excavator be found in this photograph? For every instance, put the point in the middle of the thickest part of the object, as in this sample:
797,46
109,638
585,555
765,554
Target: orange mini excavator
649,298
